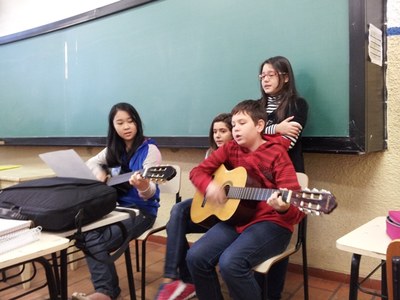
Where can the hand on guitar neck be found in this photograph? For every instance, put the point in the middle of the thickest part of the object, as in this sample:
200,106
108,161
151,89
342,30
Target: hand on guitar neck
276,201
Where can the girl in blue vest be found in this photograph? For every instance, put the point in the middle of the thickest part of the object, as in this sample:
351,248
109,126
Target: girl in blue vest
128,150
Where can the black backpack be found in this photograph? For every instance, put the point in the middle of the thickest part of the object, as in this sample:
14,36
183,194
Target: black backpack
58,203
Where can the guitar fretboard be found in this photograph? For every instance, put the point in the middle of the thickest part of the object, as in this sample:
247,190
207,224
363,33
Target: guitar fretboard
119,179
251,193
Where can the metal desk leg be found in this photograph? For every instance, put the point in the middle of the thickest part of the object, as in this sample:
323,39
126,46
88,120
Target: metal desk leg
355,269
129,271
51,282
384,290
63,275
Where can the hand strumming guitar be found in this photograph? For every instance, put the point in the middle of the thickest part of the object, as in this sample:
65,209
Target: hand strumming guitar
215,193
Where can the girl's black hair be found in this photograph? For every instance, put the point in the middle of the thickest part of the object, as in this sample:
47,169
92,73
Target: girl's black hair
116,148
224,117
288,92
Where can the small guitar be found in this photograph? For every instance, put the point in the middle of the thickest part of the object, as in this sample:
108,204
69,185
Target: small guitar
236,211
158,174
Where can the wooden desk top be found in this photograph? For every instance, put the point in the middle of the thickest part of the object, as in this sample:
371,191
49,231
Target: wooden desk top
47,244
24,173
369,239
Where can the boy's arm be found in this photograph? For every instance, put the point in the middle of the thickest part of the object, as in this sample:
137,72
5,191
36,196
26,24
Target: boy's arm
201,176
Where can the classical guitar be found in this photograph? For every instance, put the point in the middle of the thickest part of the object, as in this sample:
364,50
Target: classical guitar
237,209
158,174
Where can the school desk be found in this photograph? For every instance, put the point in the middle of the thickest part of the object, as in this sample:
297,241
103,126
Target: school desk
34,252
30,172
369,240
13,176
23,173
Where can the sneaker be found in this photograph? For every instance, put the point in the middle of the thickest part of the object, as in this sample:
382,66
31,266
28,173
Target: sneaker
188,293
170,291
83,296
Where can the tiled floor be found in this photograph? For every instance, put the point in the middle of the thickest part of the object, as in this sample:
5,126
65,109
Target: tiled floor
79,280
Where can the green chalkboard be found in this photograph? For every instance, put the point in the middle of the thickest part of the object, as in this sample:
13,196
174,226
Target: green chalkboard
179,63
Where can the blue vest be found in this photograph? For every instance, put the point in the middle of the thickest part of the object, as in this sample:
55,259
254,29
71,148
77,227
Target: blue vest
131,198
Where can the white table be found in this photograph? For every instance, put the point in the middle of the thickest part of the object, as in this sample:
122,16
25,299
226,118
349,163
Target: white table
47,244
52,242
369,240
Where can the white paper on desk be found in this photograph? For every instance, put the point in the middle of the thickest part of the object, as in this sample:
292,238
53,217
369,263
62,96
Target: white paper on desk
67,163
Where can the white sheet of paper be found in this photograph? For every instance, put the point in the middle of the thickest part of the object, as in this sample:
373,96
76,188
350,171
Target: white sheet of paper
375,51
67,163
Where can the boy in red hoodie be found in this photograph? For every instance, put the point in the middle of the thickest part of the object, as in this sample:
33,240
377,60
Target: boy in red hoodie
237,248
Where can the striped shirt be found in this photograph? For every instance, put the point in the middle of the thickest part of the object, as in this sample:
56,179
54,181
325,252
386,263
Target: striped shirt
272,105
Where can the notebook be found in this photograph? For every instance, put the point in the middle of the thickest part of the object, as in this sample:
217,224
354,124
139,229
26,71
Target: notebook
8,226
19,238
67,163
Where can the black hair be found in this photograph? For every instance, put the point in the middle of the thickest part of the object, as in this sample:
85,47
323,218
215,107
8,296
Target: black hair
224,117
288,91
116,148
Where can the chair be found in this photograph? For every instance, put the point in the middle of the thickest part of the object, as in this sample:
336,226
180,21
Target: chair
171,187
265,266
393,270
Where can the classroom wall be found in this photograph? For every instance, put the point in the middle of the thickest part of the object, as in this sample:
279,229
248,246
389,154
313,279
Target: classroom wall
365,186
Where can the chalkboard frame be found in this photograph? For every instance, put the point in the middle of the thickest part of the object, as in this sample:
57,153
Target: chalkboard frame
361,97
74,20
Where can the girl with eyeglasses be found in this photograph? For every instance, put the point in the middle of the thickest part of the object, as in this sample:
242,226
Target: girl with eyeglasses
287,111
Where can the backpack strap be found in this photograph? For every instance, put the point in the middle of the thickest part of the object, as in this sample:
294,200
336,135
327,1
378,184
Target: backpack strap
12,213
81,243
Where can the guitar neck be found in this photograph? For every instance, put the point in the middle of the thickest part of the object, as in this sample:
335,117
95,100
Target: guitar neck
119,179
258,194
158,174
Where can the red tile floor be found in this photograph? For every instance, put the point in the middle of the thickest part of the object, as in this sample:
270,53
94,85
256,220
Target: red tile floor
79,280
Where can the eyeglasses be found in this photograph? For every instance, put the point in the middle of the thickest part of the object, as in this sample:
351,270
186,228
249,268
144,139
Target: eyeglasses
269,75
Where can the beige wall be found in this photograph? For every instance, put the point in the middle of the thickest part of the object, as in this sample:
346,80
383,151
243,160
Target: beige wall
365,186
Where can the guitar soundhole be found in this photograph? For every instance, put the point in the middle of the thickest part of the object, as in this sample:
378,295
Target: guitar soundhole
226,189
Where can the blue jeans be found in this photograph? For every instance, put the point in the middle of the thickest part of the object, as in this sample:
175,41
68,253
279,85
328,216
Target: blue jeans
178,226
236,255
100,242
